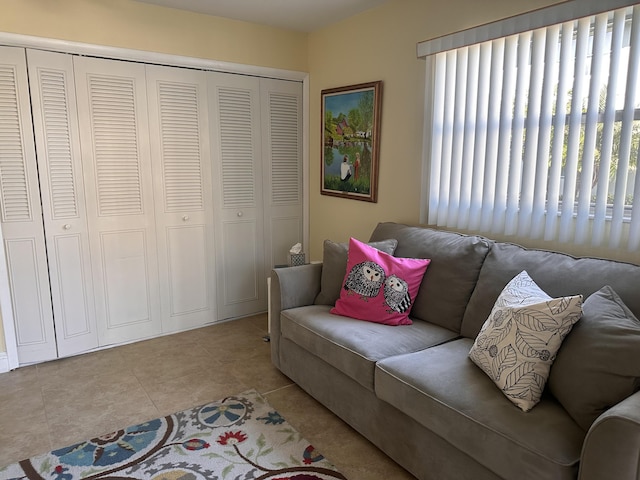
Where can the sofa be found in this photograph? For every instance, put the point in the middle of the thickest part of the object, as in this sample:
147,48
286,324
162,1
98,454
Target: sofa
413,391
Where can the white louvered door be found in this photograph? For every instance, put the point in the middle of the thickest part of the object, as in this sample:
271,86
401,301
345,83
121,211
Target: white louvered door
57,138
282,146
138,200
22,216
237,169
183,192
112,110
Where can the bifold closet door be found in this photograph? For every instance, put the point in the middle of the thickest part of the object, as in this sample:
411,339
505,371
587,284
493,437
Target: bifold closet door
22,227
257,156
234,105
114,134
55,119
281,122
181,163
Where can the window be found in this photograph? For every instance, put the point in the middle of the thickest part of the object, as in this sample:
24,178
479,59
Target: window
536,134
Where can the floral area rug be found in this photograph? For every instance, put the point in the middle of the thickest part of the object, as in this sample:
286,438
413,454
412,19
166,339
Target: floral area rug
237,438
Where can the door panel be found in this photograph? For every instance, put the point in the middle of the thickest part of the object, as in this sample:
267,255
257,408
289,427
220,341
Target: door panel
22,216
23,265
112,107
188,276
181,163
242,281
73,301
126,286
281,114
57,136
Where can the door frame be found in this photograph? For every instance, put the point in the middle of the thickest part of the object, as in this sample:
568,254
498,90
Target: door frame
147,57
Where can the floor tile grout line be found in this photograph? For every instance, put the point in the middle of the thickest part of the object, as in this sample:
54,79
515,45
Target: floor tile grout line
270,392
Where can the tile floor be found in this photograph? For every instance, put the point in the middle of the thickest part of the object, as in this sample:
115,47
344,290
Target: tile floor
54,404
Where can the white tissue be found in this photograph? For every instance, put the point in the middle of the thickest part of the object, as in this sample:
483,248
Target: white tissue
296,249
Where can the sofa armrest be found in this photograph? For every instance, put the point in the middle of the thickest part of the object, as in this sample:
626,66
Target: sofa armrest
290,287
612,446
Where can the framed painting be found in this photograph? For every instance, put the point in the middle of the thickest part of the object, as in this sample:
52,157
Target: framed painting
351,141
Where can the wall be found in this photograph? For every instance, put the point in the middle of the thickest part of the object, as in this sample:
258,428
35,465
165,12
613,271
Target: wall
381,45
140,26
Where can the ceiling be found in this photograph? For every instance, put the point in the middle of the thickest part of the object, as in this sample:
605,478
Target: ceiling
300,15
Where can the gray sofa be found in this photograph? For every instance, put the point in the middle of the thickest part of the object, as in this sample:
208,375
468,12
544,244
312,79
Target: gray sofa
412,390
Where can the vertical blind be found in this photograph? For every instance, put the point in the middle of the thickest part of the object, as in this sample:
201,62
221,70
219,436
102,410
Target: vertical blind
536,134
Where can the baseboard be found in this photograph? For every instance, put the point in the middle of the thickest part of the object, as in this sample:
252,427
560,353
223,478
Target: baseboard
4,362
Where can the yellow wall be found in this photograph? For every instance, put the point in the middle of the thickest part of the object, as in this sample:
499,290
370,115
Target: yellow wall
141,26
381,45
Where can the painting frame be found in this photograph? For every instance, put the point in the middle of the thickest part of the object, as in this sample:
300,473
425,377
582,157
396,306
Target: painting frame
350,141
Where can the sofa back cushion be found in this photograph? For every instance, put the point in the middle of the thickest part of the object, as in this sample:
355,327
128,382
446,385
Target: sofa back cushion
558,274
452,274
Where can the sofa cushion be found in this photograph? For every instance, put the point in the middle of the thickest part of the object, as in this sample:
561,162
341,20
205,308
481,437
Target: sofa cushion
379,287
334,267
443,390
598,365
520,339
451,277
353,346
558,274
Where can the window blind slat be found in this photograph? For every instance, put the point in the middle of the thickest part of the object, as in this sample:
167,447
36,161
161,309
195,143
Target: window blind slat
602,192
559,124
482,131
590,130
575,130
508,96
447,137
458,137
437,134
534,106
627,131
493,134
517,139
550,84
469,135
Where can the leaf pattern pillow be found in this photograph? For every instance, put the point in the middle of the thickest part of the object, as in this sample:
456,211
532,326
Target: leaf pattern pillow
519,341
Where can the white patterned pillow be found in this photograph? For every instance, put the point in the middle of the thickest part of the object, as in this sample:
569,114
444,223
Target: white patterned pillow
520,339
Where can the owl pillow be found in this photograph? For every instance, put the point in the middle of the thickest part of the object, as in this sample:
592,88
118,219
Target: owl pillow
379,287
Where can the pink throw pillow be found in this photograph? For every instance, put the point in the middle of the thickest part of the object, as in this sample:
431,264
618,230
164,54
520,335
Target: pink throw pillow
379,287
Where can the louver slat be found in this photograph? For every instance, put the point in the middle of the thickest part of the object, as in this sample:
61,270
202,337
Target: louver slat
58,142
13,179
115,141
181,147
236,143
285,149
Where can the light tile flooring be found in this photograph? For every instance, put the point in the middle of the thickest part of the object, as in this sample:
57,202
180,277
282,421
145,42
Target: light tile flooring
54,404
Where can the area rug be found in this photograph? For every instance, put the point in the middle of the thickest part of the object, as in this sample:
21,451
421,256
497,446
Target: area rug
238,438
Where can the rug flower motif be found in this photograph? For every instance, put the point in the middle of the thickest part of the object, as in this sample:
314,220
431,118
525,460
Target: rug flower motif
237,438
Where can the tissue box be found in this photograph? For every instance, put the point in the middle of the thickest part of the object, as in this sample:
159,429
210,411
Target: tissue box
296,259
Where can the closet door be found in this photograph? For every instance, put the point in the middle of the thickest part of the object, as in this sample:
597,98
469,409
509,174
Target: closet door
114,134
22,216
236,147
181,164
60,169
281,123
